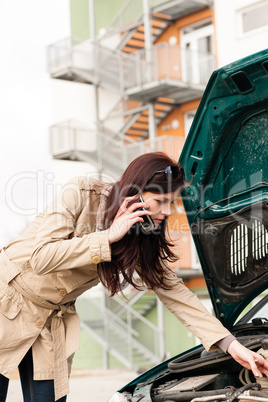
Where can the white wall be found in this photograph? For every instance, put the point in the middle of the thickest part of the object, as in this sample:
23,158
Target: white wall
27,27
76,101
107,100
231,45
72,100
65,170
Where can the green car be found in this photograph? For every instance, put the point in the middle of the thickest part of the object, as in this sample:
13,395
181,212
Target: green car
225,158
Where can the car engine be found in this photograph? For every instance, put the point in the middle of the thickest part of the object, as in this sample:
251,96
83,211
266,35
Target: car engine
199,376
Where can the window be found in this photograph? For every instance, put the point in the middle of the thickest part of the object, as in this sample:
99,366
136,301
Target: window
188,119
197,52
254,17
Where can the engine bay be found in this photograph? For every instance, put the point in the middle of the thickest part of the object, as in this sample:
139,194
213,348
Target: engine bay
199,376
215,375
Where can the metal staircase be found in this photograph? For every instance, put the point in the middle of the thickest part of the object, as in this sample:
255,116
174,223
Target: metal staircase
131,118
140,76
128,24
90,63
107,151
119,326
141,301
130,74
135,39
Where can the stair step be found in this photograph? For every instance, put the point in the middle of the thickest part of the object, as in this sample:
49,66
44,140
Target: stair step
159,23
161,17
162,106
154,30
143,119
128,49
136,136
136,43
162,99
157,113
138,125
139,35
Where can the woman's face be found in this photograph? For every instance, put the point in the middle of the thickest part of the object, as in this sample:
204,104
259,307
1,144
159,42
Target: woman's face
159,205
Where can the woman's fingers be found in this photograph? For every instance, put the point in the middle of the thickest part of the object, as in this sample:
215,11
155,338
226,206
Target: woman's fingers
125,208
261,364
126,217
248,359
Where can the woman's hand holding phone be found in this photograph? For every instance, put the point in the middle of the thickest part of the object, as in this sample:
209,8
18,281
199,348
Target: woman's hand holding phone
148,223
128,214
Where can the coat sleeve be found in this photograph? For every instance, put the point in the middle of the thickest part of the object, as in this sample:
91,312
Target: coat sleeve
53,249
186,306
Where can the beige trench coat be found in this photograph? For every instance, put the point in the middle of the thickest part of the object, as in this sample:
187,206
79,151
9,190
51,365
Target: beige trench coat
49,266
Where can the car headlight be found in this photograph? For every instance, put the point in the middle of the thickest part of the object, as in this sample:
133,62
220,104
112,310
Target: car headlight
117,397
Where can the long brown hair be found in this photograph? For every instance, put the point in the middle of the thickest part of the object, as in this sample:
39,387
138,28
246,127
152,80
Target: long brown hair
149,251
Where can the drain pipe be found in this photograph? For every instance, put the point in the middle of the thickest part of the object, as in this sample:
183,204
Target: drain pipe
161,326
92,27
148,38
149,65
91,8
152,127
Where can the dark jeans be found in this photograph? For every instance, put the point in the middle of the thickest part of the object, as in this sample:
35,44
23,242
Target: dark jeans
33,391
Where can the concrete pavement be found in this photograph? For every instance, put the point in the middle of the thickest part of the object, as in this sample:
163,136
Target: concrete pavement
85,385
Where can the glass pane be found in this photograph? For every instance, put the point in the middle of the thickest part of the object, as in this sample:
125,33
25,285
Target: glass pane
256,18
204,44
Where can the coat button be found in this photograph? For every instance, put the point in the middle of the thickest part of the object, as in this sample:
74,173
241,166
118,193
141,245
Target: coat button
62,292
96,259
40,324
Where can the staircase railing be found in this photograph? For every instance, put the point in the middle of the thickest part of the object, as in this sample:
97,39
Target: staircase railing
70,137
131,338
59,54
71,140
119,115
91,62
120,71
109,152
169,144
141,328
174,63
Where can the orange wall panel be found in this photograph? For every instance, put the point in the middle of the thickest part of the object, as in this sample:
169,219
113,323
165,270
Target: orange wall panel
178,221
193,18
165,127
195,283
182,249
174,30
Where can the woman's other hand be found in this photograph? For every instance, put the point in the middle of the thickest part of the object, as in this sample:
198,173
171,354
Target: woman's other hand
126,217
248,359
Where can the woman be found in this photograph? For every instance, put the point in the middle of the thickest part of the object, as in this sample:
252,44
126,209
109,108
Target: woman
90,233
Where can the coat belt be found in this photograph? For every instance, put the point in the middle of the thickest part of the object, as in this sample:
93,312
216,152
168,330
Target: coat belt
61,377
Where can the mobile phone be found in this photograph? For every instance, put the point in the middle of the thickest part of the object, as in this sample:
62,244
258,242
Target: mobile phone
148,223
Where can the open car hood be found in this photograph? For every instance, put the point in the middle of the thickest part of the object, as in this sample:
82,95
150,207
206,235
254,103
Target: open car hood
225,158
